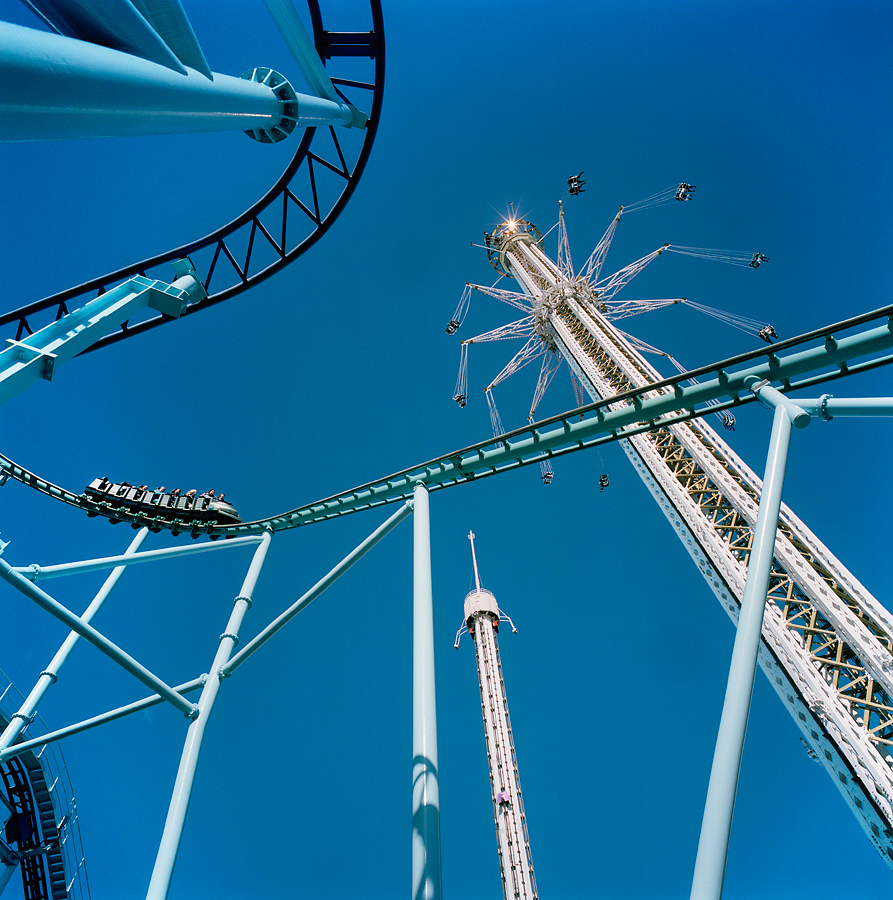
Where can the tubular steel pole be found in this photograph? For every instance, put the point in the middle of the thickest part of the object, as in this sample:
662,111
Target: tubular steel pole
176,815
75,623
95,721
48,677
426,864
58,87
322,585
39,573
713,846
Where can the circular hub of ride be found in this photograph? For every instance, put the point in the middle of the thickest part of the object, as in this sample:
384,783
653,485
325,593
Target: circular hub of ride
505,235
547,303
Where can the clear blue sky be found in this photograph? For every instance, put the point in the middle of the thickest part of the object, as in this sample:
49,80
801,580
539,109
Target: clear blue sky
338,371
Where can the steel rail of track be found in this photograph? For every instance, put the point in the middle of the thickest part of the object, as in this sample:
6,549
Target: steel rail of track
276,204
569,435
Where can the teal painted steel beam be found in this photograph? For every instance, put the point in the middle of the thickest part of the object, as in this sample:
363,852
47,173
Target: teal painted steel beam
79,727
427,868
323,584
60,88
102,643
25,362
38,573
301,47
159,884
719,808
24,714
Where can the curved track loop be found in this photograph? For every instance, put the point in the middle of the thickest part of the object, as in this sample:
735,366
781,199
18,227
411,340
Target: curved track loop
470,464
284,223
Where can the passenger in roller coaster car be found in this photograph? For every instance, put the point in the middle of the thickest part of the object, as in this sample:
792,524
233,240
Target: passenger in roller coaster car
757,259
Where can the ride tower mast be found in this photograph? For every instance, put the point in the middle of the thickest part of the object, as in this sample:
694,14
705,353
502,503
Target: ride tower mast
826,643
482,616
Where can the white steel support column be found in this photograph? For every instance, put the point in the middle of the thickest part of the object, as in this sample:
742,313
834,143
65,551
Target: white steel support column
426,863
826,642
176,816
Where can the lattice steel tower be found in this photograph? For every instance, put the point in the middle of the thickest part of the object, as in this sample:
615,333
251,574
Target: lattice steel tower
826,641
482,617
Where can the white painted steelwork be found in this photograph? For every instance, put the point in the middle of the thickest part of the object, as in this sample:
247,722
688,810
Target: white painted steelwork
482,617
826,641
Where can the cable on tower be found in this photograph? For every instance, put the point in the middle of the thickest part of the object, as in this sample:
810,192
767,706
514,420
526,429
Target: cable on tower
608,287
754,327
565,263
623,309
461,310
579,393
551,364
593,266
460,393
495,419
514,298
682,191
533,348
725,417
732,257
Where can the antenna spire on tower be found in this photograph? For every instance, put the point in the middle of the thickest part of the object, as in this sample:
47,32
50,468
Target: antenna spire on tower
474,560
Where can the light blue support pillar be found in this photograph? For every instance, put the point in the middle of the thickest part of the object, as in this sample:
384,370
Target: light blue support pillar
75,623
713,847
57,88
176,814
299,42
48,676
426,865
23,363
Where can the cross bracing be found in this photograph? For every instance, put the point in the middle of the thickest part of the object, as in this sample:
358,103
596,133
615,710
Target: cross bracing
826,642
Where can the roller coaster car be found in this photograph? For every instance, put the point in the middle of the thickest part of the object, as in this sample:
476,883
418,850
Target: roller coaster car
153,504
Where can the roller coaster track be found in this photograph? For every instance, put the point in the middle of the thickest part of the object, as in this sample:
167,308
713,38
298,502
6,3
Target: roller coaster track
279,227
671,400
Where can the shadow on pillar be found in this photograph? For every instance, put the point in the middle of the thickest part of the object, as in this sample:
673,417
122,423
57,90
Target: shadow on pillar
427,882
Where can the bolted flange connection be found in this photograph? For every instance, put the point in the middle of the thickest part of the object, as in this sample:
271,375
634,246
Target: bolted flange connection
288,105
